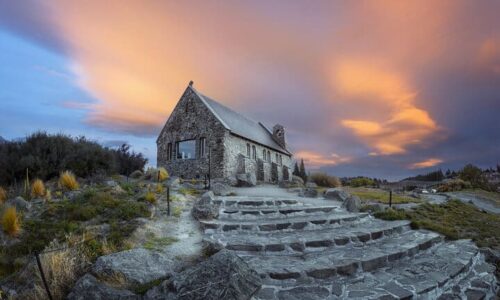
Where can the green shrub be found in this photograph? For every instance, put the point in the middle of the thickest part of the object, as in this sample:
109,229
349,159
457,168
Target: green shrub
150,197
324,180
48,155
454,185
362,181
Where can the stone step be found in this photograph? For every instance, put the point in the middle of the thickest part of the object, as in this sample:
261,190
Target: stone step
273,211
282,223
346,260
255,202
301,241
452,270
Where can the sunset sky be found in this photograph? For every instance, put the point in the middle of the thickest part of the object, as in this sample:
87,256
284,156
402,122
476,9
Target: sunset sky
375,88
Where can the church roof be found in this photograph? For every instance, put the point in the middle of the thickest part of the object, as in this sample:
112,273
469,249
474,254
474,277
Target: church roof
241,125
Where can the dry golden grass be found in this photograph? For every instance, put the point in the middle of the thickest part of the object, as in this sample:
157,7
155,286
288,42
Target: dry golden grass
37,189
11,223
159,188
150,197
163,174
3,195
62,269
67,180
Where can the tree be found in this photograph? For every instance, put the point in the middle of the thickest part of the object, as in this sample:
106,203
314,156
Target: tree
302,171
472,174
498,168
296,170
448,173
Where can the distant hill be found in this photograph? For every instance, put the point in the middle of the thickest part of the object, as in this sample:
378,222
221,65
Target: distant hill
2,140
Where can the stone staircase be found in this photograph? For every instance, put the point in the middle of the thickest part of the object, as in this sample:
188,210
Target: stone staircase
316,250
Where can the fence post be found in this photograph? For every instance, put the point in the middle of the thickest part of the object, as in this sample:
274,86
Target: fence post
168,201
390,198
37,255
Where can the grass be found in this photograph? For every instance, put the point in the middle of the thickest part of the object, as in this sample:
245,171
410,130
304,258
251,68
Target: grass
163,174
38,189
177,211
157,243
159,188
486,195
381,196
65,218
67,180
150,197
454,219
186,191
11,223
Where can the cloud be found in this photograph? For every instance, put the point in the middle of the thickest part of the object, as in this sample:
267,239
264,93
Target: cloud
488,55
314,160
431,162
400,122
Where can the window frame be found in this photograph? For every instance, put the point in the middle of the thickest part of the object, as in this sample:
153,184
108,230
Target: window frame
249,152
203,147
177,150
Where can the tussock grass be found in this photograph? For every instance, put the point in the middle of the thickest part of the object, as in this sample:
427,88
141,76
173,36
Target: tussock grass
454,219
11,223
150,197
67,180
185,191
38,189
177,211
3,195
159,188
163,174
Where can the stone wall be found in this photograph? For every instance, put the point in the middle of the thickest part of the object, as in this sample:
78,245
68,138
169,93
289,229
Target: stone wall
191,119
236,145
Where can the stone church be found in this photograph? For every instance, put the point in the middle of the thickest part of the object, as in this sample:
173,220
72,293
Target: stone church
201,133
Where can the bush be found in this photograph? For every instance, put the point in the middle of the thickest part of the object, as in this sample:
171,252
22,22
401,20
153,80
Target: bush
322,179
454,185
38,189
475,176
3,195
150,197
68,181
136,174
11,222
47,155
362,181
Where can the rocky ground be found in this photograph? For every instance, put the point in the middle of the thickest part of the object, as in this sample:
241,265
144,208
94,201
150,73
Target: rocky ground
271,243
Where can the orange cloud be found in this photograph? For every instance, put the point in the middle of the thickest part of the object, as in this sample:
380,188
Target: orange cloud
315,160
399,124
431,162
489,55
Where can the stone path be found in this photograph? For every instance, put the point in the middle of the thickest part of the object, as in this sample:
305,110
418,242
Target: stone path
316,250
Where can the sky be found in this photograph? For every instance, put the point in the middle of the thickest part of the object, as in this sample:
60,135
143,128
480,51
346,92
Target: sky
384,89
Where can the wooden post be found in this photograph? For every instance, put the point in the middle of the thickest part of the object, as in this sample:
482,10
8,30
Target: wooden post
168,201
37,255
390,198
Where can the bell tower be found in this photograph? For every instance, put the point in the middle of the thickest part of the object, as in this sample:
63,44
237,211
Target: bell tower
279,135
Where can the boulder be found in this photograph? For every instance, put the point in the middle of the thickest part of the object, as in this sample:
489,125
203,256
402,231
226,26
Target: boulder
246,180
352,204
174,182
223,276
72,195
336,194
136,174
87,287
19,203
309,193
136,266
221,189
110,183
311,185
204,207
297,180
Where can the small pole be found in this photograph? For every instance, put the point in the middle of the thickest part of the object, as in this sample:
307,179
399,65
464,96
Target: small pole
168,201
37,255
390,198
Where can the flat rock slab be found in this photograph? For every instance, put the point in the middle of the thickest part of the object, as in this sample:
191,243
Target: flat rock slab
137,266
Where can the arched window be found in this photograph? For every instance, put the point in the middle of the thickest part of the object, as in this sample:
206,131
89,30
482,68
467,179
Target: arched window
264,154
268,156
254,152
248,150
277,158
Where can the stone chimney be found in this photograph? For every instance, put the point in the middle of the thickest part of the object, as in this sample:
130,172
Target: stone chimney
279,135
